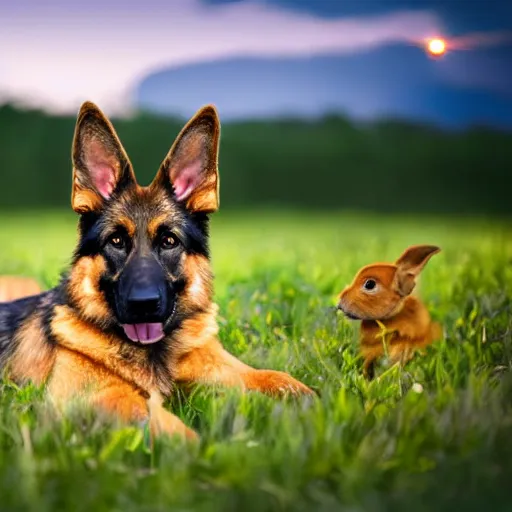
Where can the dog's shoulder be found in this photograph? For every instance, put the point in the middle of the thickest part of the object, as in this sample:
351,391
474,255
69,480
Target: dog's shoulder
26,347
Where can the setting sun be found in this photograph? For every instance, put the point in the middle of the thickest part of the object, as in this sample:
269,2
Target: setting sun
436,47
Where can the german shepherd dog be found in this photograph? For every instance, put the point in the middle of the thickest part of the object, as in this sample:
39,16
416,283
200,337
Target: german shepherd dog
134,314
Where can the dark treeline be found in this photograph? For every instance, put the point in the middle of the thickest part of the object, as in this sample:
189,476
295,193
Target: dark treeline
330,163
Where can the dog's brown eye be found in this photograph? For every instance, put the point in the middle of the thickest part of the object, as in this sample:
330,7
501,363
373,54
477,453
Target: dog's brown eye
370,284
116,241
168,241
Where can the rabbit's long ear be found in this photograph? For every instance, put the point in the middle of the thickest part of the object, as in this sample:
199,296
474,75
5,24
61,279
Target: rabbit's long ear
410,264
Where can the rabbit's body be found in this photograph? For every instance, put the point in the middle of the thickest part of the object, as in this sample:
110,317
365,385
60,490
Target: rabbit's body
393,322
409,330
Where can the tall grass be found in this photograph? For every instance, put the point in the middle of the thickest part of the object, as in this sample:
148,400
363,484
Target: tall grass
436,435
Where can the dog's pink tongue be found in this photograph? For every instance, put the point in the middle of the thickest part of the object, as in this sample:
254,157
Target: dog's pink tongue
144,333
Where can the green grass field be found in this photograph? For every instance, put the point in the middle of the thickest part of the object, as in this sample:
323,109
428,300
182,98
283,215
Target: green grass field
434,436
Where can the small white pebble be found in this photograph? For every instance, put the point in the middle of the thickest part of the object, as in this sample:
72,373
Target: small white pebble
417,387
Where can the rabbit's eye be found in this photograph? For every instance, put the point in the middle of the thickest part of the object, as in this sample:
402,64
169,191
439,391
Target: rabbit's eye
370,284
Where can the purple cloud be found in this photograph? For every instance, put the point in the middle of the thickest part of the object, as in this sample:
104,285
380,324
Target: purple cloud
56,55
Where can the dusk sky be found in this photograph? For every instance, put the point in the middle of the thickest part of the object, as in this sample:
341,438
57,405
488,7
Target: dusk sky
257,58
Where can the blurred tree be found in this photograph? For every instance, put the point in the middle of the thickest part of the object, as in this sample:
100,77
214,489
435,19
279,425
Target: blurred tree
330,163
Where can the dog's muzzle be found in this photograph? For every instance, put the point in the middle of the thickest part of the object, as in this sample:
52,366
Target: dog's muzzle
145,300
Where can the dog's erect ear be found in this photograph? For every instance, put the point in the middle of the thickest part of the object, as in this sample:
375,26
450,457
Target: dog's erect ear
100,162
410,264
191,164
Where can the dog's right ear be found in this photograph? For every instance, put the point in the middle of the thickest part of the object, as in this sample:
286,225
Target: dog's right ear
100,163
191,166
410,264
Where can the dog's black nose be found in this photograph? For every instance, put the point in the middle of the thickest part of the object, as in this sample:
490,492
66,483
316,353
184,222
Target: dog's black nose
143,293
144,302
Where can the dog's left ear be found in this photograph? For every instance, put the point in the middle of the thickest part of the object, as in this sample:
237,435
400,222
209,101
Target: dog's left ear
191,164
100,163
410,264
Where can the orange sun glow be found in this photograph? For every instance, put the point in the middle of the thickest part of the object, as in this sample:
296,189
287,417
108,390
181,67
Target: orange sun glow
436,47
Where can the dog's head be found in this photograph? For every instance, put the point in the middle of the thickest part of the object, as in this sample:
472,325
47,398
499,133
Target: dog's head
141,265
378,290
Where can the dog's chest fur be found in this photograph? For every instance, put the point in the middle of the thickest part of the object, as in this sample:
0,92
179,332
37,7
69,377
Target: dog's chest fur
146,367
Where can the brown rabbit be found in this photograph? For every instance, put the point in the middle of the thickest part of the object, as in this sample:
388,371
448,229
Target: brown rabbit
15,287
392,320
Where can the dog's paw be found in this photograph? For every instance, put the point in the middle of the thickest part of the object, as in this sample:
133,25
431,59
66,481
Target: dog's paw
277,383
170,430
163,423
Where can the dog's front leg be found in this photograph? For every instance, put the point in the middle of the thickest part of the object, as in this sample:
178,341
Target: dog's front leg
131,407
210,363
75,377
